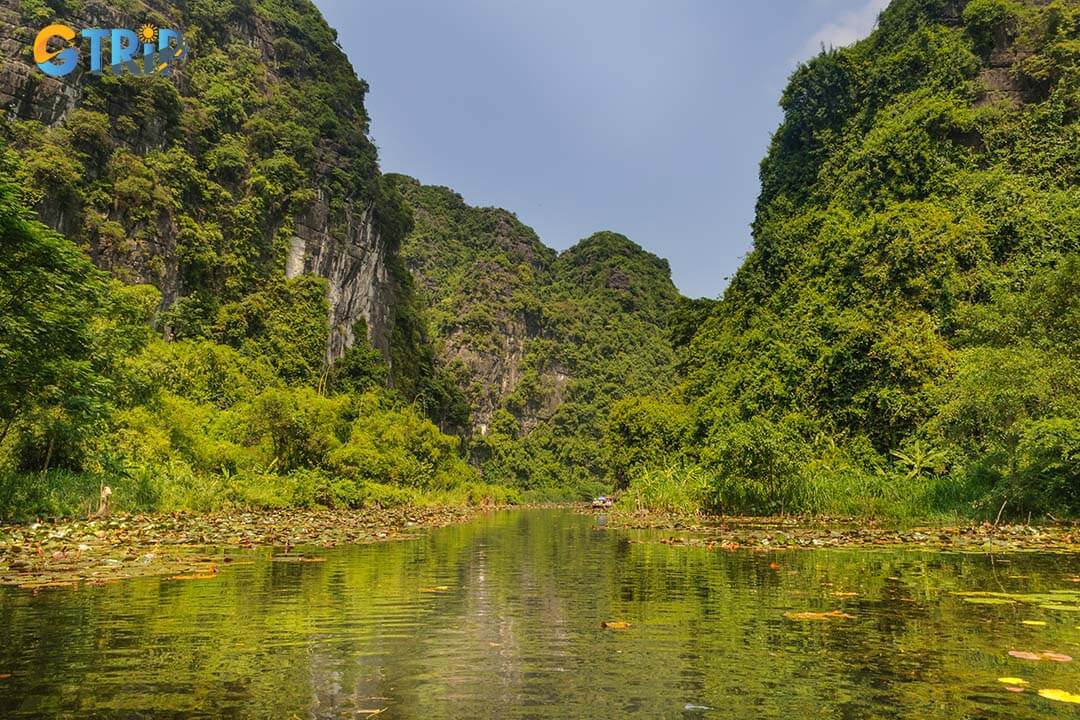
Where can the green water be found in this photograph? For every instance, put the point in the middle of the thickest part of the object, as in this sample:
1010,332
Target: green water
517,633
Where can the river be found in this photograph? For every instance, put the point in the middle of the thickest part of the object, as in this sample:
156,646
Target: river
501,618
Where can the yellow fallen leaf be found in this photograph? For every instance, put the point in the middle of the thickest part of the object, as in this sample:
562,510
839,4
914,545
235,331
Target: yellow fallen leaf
437,588
1060,696
1037,623
193,577
615,625
1013,681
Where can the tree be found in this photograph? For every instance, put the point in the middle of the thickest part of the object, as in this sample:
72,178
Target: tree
49,352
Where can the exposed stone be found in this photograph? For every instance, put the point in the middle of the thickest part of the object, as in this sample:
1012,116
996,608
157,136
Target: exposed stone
352,259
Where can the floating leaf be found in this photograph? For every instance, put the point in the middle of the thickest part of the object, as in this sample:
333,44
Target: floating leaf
1060,696
1013,681
615,625
193,577
4,676
1014,689
989,601
1055,657
1025,655
831,615
436,589
1058,606
1036,623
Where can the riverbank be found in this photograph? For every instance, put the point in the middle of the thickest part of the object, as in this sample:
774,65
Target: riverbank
775,533
187,546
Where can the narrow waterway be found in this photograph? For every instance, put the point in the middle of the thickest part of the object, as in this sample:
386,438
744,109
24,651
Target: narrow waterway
501,618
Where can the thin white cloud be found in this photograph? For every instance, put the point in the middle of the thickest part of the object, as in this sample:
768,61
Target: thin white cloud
846,29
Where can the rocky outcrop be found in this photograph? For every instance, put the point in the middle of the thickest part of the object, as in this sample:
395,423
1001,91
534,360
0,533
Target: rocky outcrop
350,254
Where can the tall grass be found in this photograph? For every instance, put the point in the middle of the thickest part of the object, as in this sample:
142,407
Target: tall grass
815,491
675,490
165,488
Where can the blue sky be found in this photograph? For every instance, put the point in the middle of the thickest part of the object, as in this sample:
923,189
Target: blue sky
647,117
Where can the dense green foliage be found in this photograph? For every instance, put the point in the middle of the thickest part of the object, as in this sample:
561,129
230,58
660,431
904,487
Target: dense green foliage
193,423
903,337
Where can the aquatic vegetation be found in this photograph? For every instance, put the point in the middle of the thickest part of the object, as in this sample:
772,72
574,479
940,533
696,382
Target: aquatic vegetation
193,547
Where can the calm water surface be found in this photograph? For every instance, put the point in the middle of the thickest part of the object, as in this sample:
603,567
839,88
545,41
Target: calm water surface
501,619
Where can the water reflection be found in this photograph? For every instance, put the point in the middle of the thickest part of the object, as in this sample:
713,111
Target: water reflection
501,618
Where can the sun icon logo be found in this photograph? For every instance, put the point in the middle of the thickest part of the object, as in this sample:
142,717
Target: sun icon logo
148,33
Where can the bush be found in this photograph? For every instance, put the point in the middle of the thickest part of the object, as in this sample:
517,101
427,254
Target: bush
1048,467
643,433
757,467
990,22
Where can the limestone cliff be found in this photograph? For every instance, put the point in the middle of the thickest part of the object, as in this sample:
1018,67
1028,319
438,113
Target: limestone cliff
251,162
541,343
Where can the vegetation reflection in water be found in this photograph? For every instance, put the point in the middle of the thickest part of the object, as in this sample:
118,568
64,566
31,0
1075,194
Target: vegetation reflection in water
502,618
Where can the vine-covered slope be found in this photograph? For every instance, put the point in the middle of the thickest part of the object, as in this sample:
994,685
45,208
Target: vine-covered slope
906,331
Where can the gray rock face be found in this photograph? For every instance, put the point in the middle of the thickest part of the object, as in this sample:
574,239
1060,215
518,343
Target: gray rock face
351,255
355,266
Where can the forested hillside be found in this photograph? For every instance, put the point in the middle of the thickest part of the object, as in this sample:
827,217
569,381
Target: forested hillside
905,335
255,340
542,344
